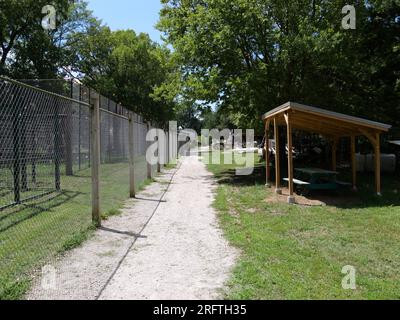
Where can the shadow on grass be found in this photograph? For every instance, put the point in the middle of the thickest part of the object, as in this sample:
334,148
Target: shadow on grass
5,193
365,197
390,190
26,211
229,177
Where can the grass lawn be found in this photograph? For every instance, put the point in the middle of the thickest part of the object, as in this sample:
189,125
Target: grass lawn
297,252
35,232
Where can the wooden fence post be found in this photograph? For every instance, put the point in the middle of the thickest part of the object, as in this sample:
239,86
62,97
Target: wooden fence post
149,175
159,155
173,143
132,189
95,158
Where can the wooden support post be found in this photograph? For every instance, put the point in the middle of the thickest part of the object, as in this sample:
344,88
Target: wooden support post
277,163
353,162
375,139
167,149
132,188
334,153
371,137
149,175
267,159
291,199
378,164
159,155
95,158
173,143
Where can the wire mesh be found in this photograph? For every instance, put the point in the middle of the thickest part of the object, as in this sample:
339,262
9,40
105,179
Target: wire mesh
45,174
43,206
80,133
114,156
154,166
140,147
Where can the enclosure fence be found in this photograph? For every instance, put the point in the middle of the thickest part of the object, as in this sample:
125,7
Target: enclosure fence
64,163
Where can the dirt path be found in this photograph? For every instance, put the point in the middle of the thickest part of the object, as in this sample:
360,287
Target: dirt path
168,249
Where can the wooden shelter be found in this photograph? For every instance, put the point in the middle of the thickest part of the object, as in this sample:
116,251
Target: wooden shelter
330,124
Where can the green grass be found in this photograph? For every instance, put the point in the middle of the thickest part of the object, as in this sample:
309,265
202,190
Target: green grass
170,166
145,183
33,234
77,239
296,252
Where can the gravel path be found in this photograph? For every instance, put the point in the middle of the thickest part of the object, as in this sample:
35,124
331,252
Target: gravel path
169,249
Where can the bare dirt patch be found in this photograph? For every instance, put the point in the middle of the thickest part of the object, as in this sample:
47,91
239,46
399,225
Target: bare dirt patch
319,199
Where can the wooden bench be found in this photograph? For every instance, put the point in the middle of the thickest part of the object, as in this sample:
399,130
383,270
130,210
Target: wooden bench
344,184
298,182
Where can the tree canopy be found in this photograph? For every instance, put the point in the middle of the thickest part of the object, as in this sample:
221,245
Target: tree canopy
125,67
238,57
122,65
30,51
249,56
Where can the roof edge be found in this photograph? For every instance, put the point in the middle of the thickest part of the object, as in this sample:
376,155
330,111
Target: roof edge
324,112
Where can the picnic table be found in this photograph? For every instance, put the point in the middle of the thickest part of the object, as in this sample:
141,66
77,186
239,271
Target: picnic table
307,179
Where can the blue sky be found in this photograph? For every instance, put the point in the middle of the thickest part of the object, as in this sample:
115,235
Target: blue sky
139,15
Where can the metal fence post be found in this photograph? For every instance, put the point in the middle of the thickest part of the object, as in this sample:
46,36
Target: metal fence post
95,158
132,190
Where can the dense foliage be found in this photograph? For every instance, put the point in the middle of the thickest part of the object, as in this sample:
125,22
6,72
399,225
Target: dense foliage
239,57
30,51
125,67
249,56
121,65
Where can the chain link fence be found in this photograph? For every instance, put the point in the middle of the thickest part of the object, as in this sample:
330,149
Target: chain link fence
46,176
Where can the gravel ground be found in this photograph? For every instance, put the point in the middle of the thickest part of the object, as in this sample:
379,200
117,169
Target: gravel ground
168,249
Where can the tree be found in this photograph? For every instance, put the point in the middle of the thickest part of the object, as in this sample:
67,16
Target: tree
212,119
249,56
188,116
125,67
30,51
